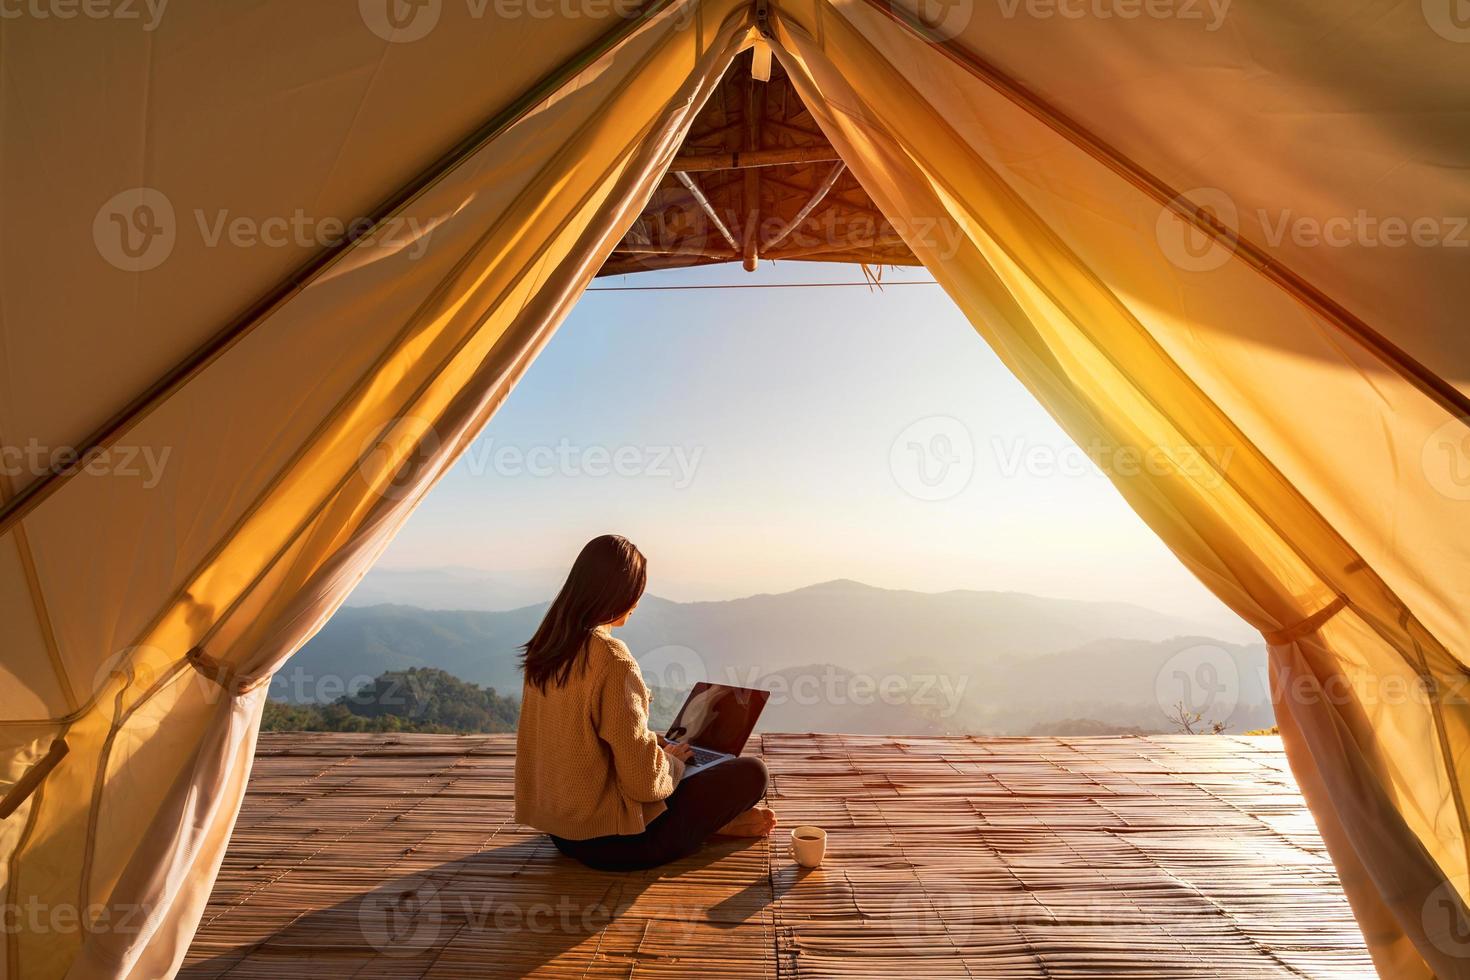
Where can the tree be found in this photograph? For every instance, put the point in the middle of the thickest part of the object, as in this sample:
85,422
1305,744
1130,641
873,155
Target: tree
421,699
1192,722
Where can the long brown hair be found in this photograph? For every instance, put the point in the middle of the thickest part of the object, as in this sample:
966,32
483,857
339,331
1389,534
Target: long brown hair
606,580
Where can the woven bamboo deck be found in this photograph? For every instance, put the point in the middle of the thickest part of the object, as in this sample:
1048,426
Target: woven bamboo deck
395,856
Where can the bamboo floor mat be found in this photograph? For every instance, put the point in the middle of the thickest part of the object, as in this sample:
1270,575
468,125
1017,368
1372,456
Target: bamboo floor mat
395,856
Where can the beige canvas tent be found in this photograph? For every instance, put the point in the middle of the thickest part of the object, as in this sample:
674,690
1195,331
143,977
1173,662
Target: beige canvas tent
1228,236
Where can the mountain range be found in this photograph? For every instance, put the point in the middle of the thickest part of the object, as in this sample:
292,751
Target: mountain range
843,656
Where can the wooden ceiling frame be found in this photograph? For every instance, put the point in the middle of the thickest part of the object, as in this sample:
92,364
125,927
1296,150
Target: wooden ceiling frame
756,178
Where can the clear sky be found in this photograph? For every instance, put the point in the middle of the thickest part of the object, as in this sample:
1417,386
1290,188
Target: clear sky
760,440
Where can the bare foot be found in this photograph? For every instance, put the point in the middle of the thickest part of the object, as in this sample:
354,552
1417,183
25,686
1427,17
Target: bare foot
758,821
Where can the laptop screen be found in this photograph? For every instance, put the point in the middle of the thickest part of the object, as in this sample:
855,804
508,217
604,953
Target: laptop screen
718,717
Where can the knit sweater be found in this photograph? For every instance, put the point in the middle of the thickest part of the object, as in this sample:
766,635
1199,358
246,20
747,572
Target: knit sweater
586,763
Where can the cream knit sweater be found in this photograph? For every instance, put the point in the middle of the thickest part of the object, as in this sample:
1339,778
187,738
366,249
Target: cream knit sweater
586,763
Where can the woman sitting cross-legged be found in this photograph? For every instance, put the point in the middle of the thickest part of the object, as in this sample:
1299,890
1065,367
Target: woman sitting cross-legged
589,772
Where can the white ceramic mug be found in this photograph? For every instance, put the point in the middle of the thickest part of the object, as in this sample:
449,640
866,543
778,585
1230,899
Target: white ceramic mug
808,846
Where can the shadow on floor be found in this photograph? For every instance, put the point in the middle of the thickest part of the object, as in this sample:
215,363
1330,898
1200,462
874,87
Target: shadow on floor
505,911
756,896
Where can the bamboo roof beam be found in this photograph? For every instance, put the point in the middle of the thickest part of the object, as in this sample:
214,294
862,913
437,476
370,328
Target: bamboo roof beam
747,159
806,209
709,211
833,248
691,251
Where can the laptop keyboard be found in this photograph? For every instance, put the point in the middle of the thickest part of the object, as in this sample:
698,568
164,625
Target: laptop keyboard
704,757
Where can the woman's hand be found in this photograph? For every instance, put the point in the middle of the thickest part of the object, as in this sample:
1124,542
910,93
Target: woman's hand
677,750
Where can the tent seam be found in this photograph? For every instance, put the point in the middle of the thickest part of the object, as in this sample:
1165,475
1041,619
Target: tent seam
1446,751
12,940
38,601
43,615
104,755
84,885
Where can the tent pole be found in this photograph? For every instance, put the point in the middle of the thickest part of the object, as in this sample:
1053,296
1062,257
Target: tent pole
1401,361
32,778
28,497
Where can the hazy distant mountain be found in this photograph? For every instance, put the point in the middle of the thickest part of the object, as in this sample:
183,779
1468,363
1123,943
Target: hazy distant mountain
840,656
1131,684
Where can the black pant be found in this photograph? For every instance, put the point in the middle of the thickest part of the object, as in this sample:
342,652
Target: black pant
699,806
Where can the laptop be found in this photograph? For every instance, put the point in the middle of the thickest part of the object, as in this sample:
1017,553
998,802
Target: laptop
716,722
